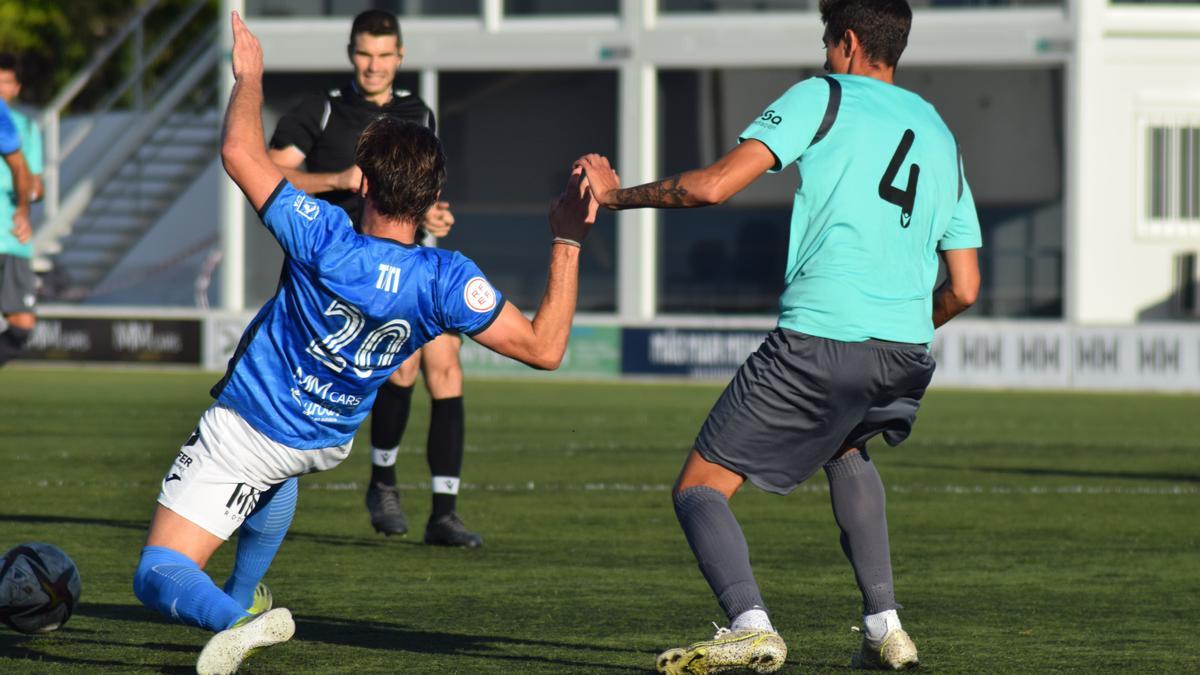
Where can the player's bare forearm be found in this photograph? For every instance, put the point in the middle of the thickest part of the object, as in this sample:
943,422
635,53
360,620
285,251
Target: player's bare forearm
669,193
289,160
312,183
713,184
540,343
961,287
243,149
552,323
22,179
946,306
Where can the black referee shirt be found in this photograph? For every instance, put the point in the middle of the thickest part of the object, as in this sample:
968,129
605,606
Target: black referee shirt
326,127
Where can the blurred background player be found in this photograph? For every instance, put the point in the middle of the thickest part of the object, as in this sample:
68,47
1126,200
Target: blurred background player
350,302
881,194
20,184
320,133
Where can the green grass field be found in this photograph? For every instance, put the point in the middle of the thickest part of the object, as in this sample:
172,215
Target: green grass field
1030,533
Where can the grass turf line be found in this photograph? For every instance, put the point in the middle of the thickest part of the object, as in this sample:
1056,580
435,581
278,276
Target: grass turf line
1030,533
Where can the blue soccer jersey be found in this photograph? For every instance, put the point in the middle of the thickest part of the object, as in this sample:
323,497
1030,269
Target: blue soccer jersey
349,309
10,140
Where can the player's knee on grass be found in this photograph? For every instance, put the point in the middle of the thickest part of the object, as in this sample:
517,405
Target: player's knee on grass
172,584
144,577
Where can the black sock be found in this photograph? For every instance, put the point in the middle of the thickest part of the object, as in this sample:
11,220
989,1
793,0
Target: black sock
859,507
720,548
12,343
444,451
389,417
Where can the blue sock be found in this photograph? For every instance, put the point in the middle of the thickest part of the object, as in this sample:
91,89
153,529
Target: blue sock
259,538
173,584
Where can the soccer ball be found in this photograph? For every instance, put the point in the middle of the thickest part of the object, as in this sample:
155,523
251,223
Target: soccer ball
39,587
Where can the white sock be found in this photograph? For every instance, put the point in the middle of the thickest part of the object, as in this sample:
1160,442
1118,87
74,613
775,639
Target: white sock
384,456
879,625
755,618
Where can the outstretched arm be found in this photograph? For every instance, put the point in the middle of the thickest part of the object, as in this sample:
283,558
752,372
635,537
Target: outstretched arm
713,184
961,287
542,342
243,150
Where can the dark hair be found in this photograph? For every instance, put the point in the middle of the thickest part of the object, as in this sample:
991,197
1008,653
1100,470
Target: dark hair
9,61
404,166
881,25
375,22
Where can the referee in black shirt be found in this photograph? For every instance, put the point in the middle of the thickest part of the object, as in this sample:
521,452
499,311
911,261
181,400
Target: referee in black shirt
321,133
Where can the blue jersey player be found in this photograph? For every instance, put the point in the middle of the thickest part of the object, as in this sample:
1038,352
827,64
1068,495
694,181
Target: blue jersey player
349,309
16,289
881,196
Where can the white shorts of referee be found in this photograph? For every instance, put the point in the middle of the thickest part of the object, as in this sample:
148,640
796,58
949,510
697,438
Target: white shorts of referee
219,474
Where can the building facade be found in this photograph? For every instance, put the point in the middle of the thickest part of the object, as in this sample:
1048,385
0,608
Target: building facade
1079,122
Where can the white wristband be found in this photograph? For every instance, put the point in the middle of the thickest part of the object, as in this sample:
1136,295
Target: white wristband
568,242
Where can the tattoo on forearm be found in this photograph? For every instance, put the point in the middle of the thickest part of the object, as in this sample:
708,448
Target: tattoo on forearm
665,193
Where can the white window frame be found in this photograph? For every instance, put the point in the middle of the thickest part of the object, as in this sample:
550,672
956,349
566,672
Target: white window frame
1175,117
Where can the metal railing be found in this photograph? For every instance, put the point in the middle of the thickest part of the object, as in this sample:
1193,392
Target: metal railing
190,67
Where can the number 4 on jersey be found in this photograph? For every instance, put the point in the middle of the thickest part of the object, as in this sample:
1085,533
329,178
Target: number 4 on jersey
907,197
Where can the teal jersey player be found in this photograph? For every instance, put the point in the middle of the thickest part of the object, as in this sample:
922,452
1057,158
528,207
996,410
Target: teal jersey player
878,197
31,146
881,197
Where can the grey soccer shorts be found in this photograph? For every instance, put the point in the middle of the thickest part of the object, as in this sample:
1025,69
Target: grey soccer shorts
18,285
799,399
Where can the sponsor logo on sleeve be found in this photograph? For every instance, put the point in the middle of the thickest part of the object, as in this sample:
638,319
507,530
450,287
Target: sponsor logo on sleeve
769,119
479,295
306,207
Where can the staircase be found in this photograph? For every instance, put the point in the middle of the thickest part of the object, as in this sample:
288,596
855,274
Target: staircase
161,145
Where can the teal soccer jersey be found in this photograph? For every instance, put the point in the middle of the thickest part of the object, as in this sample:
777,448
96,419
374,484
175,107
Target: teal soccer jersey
31,146
881,192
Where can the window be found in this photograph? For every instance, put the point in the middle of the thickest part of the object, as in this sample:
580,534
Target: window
1171,175
553,7
510,138
349,8
726,259
667,6
729,6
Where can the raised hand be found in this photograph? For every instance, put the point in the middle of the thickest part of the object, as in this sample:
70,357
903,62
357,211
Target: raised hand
247,53
439,220
603,179
572,214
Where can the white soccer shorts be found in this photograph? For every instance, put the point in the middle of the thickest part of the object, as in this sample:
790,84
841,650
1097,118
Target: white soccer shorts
221,471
